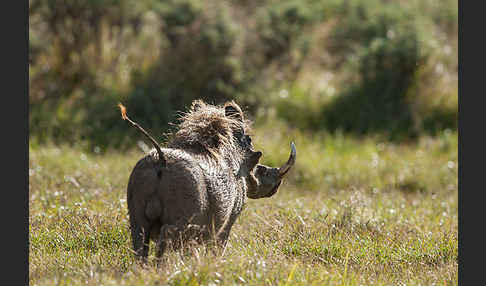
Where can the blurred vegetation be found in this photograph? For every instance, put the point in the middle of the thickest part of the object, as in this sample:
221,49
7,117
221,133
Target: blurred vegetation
387,68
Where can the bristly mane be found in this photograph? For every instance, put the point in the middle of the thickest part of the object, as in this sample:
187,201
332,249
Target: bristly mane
205,129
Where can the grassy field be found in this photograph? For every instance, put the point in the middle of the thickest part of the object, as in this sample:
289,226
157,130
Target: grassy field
352,212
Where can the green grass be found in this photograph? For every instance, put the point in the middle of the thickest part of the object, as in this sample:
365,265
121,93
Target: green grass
352,212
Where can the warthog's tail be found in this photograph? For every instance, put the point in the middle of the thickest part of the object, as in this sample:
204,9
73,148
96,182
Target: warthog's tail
123,111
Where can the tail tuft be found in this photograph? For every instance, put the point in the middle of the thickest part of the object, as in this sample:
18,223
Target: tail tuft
123,111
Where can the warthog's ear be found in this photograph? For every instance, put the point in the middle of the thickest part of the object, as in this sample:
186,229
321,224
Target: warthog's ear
231,109
197,104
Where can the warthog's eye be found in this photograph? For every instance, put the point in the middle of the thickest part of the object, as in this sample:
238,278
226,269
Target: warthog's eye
245,142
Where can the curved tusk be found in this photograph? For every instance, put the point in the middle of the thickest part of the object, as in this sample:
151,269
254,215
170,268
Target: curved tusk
286,167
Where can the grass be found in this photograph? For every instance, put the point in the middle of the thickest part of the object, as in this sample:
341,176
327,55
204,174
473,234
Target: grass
352,212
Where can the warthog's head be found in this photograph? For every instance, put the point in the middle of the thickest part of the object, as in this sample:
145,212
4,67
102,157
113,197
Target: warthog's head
223,132
262,181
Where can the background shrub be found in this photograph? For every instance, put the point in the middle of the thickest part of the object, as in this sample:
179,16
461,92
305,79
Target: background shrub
362,67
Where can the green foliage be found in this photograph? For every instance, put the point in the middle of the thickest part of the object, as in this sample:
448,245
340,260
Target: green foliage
192,59
281,23
197,60
297,108
387,50
393,65
384,55
178,13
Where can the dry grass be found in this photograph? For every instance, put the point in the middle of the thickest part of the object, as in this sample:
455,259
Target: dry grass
353,212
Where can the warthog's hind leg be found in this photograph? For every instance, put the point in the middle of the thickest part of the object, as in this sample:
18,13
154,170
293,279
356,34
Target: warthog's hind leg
140,240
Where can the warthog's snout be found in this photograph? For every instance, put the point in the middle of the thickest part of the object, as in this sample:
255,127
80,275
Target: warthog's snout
268,179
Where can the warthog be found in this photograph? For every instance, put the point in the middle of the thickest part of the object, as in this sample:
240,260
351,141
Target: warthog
196,187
